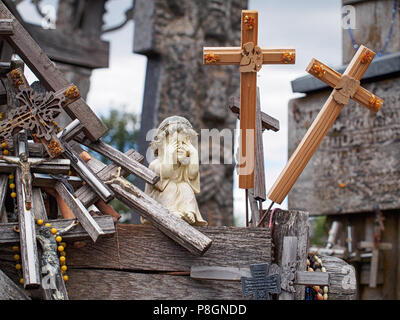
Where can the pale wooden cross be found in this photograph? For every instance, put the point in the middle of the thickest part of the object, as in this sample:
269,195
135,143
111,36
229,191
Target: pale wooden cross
250,57
345,86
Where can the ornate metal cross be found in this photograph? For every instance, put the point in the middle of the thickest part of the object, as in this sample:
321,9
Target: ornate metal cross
262,284
250,57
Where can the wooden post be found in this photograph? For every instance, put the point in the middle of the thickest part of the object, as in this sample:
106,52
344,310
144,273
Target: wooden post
346,87
289,257
9,290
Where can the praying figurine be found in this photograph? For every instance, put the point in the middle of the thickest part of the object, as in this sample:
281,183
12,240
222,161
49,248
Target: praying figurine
26,177
177,164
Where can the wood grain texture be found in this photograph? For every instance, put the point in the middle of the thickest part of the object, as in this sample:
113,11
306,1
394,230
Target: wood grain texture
312,278
219,273
318,130
9,290
233,55
140,247
84,217
342,279
50,76
85,194
260,192
268,122
6,27
291,223
118,285
8,236
56,166
3,190
44,180
38,204
131,164
289,256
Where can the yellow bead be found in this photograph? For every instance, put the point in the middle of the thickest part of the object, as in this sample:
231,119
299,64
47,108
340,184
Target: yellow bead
48,225
64,244
5,152
16,257
15,248
39,222
18,266
12,186
64,268
60,248
11,176
62,259
326,289
4,145
13,194
325,296
62,272
69,172
65,277
63,254
58,239
53,230
21,281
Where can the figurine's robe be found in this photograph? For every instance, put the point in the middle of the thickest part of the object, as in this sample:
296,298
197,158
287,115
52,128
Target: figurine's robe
176,193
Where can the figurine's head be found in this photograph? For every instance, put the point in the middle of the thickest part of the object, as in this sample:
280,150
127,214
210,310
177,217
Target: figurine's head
173,129
23,157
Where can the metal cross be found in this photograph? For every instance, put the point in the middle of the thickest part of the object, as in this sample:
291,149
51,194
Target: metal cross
262,284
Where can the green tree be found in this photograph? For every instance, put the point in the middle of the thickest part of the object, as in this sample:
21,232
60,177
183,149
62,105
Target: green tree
122,135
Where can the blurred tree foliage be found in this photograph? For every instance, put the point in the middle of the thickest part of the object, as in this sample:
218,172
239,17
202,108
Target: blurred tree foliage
122,134
319,233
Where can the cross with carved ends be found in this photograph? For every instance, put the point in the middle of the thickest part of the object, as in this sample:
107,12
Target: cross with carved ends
250,57
346,87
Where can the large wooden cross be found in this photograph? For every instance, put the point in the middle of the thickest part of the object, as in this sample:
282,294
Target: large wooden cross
250,57
346,87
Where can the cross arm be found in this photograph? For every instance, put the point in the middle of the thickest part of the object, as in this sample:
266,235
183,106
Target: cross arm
370,245
332,78
233,55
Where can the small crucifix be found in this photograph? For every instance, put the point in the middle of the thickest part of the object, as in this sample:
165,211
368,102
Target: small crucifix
250,57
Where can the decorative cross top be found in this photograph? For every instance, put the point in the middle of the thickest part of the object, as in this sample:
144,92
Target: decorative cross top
37,112
262,284
250,57
345,86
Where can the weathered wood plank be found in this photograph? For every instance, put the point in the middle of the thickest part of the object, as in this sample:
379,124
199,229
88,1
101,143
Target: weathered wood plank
118,285
50,76
122,160
141,247
312,278
342,278
38,205
84,217
268,122
292,223
85,194
259,190
9,290
44,180
8,236
289,256
6,27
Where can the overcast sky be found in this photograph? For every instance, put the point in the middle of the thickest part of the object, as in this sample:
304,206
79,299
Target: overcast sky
312,27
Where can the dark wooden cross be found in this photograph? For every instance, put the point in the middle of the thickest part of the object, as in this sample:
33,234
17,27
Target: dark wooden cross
257,194
262,284
250,57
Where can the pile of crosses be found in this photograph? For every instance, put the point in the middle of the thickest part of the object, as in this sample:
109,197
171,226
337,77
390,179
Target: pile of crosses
44,154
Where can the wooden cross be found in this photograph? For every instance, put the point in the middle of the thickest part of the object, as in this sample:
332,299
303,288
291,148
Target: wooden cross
250,57
346,87
262,284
